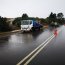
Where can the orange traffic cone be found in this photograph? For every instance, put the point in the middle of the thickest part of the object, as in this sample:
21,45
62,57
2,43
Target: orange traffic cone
55,32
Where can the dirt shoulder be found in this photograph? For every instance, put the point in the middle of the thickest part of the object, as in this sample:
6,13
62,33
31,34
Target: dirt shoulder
3,33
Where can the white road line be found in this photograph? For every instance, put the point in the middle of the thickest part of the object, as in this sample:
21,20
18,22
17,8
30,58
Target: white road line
37,52
33,51
34,55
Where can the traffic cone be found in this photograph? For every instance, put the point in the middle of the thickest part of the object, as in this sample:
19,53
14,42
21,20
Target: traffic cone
64,24
55,32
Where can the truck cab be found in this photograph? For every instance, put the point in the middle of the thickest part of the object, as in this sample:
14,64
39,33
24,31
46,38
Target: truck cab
26,25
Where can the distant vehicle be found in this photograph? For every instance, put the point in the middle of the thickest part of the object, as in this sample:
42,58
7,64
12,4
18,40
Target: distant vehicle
55,24
30,25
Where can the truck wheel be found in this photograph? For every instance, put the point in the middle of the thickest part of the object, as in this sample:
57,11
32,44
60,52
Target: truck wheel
39,28
33,29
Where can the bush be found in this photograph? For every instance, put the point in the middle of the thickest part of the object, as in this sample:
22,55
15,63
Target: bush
4,26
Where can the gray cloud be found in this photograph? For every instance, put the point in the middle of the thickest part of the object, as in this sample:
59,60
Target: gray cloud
34,8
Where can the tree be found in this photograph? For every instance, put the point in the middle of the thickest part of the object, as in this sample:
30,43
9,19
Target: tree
4,26
43,21
17,21
60,18
60,15
24,16
51,15
52,18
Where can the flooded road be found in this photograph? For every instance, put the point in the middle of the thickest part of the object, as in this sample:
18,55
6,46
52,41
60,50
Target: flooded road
16,46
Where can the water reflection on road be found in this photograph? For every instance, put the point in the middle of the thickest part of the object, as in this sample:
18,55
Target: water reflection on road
21,39
20,44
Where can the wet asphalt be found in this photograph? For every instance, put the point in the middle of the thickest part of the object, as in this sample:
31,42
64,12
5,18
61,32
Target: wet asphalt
14,47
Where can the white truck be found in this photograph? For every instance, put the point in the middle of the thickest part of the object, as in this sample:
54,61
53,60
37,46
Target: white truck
29,25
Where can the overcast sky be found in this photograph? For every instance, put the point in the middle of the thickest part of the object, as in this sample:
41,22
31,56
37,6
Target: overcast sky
34,8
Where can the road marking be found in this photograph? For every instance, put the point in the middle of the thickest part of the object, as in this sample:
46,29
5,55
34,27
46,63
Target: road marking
34,51
28,61
37,50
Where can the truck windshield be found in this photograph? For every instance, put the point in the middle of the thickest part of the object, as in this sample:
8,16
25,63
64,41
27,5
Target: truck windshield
26,22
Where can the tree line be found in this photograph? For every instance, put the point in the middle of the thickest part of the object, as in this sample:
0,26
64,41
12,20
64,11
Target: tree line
50,20
58,18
